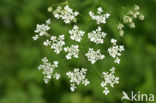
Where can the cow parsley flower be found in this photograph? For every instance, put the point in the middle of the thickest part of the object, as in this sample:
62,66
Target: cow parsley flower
77,77
48,70
47,42
109,79
99,17
97,36
93,56
66,13
141,17
76,34
72,51
115,50
41,29
120,26
55,43
129,17
50,9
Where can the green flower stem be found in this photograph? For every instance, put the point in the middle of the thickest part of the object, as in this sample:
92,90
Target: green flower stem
66,2
97,71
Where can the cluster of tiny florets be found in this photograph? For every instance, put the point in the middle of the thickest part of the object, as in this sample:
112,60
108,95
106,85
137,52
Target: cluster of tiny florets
48,69
66,13
73,50
55,43
93,55
115,51
76,77
128,18
109,79
120,28
97,36
41,30
99,17
76,34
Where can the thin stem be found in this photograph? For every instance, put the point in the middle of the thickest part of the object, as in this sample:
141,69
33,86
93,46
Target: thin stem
97,71
66,2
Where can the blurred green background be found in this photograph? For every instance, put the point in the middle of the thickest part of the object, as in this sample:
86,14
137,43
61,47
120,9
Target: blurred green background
21,82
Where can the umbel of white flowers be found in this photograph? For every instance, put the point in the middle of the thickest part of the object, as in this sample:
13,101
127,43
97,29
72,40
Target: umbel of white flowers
66,13
77,77
55,43
115,50
99,17
42,29
109,79
93,56
97,36
76,34
72,51
128,18
48,69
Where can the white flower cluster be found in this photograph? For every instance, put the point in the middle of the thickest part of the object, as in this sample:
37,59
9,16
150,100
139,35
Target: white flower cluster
128,18
76,77
66,13
115,50
93,56
73,50
97,36
110,79
99,17
48,70
55,43
76,34
42,29
120,27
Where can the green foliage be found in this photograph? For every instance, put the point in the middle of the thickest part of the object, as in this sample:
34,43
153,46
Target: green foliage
21,82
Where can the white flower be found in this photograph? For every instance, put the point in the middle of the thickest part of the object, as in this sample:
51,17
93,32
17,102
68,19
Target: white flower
132,25
47,43
113,41
35,37
109,79
97,36
48,21
76,34
121,32
56,76
120,26
50,9
72,51
66,13
48,69
73,87
41,29
115,50
93,56
99,10
76,77
55,43
106,91
112,70
117,60
129,17
141,17
99,17
136,7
